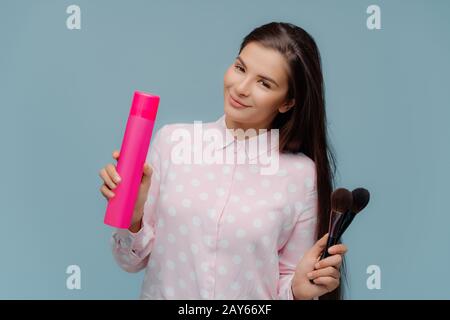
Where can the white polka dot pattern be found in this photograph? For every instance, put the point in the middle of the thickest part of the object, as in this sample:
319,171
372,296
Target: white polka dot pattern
221,230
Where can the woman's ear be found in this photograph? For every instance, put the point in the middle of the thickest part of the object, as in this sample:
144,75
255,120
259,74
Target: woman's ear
287,106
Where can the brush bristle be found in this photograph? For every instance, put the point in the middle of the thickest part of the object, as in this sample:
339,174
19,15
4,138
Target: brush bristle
361,198
341,200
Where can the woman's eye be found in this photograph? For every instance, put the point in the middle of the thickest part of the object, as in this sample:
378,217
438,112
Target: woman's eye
265,84
238,67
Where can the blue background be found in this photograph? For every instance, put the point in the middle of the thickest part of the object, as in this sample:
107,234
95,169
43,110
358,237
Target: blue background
65,97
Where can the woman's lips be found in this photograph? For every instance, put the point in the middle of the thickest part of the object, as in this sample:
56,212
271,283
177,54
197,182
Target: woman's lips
236,103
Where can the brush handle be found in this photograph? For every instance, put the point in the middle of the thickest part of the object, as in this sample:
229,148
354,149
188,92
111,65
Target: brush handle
348,218
346,221
336,222
331,242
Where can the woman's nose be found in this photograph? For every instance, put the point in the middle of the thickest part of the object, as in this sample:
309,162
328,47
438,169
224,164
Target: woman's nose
243,87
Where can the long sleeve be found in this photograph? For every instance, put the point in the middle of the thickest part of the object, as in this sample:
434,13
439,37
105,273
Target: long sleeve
132,250
301,240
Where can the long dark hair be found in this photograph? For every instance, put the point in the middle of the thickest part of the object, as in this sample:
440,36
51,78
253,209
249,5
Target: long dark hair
303,128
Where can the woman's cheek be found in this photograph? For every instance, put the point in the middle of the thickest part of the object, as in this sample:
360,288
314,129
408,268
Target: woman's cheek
228,78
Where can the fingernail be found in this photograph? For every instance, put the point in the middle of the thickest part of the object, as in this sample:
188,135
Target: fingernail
309,274
118,179
317,265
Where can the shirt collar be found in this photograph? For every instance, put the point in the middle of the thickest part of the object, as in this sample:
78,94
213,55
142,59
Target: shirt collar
261,144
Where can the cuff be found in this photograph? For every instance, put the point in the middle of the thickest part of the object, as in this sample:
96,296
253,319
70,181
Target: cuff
129,241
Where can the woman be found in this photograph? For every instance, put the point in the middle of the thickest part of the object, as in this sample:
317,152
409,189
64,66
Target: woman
226,231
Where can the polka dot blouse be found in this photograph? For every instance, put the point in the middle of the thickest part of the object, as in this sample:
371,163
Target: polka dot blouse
216,230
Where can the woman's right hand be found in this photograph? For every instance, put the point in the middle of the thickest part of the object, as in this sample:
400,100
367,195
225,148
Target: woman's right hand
111,179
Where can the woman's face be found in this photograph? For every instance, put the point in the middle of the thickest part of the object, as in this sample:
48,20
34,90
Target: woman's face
258,79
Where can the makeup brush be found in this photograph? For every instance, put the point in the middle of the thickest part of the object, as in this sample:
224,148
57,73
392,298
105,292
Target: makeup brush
361,198
341,203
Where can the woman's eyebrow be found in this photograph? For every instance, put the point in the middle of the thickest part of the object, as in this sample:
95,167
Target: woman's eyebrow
261,76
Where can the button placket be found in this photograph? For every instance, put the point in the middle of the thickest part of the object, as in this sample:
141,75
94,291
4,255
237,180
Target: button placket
221,207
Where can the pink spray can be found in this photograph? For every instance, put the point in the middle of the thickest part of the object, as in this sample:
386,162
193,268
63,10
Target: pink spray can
133,153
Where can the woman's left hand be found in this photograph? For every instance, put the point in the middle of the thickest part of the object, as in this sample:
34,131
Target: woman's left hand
325,274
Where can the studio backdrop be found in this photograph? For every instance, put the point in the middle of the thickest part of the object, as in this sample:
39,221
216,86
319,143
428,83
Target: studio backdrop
68,71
